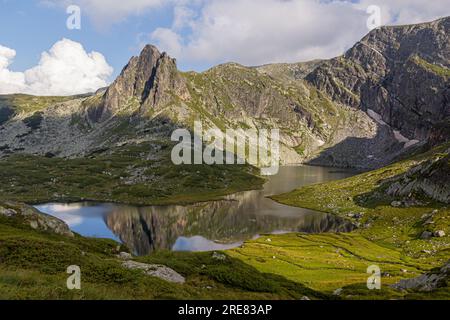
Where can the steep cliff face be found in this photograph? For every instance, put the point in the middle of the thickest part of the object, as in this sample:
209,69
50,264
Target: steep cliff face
146,82
401,73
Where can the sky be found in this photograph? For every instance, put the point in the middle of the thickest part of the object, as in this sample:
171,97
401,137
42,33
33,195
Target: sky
42,53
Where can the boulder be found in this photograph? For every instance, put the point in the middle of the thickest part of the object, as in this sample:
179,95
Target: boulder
7,212
156,270
125,256
439,234
396,204
426,235
337,292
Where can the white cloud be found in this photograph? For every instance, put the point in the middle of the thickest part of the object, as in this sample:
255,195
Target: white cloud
65,69
263,31
9,81
206,32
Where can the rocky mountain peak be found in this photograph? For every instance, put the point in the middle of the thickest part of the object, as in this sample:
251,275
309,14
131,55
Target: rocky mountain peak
399,72
143,84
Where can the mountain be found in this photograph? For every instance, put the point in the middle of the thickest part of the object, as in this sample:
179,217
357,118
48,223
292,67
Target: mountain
383,97
399,73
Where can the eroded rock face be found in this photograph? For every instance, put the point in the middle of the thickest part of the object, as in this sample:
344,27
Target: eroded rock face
426,282
402,73
146,82
35,219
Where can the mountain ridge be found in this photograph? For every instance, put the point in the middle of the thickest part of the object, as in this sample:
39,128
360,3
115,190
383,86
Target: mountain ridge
341,112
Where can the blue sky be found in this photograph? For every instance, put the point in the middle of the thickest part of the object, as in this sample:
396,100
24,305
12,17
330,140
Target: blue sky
199,33
29,27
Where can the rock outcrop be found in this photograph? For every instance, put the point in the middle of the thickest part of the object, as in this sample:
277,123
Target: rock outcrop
430,178
427,282
401,73
35,219
147,81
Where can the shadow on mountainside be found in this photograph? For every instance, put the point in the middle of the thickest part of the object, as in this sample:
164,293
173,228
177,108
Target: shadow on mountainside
361,153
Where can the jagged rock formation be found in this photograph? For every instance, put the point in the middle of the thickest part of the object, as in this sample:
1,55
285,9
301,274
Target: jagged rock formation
147,82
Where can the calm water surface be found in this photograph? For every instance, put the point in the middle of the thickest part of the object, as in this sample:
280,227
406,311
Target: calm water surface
214,225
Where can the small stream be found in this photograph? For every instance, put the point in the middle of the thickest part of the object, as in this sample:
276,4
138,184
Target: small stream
214,225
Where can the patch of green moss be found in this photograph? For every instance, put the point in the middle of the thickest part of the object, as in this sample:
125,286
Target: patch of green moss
436,69
30,104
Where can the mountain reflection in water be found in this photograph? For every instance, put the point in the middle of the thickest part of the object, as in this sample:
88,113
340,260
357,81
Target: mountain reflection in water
214,225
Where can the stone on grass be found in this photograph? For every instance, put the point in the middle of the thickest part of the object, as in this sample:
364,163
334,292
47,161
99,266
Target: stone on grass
7,212
219,256
439,234
427,282
156,270
337,292
396,204
426,235
125,256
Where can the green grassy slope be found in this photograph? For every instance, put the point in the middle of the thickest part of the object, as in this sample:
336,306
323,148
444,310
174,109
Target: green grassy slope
33,266
126,176
388,237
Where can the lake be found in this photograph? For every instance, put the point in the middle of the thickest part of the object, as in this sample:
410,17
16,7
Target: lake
207,226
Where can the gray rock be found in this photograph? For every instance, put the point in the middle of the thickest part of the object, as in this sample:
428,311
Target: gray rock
219,256
156,270
396,204
35,219
426,235
337,292
125,256
430,178
426,282
390,71
439,234
7,212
